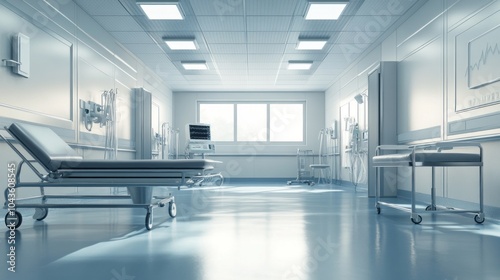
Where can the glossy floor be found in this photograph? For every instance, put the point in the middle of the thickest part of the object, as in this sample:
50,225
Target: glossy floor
255,232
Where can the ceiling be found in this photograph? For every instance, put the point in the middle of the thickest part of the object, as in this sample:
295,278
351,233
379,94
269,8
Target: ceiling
247,43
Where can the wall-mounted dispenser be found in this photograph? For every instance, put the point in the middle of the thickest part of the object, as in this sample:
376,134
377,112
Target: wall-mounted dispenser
93,113
20,61
103,113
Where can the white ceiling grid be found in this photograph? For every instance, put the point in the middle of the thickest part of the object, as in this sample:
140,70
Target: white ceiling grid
247,43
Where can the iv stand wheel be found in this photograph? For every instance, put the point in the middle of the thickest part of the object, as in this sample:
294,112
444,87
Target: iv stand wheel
172,209
416,219
479,218
16,220
40,214
149,220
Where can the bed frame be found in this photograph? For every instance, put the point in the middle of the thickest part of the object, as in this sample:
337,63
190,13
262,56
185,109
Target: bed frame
57,165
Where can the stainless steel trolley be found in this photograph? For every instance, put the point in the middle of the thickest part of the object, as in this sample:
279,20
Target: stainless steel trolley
433,155
304,174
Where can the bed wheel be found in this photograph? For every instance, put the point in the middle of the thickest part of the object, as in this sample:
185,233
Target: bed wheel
17,220
417,220
378,210
479,218
149,221
40,214
172,209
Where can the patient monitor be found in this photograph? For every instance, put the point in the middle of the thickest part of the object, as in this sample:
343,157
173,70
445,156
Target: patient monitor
199,139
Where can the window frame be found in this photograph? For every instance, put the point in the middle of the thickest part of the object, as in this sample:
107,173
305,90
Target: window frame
268,121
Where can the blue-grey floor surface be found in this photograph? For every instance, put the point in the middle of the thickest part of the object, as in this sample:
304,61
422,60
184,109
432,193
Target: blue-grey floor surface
254,232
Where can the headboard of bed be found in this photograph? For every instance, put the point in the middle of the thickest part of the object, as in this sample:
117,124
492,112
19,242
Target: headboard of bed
43,144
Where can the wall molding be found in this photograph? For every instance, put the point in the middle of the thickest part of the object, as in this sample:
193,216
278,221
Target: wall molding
420,134
474,124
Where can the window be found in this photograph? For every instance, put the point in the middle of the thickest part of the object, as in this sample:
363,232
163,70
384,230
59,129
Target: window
254,121
286,122
221,120
251,124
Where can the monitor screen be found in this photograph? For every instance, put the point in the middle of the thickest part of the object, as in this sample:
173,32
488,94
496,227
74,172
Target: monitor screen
199,132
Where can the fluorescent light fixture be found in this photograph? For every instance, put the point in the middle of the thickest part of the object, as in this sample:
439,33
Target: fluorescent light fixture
311,44
322,10
299,65
181,44
194,65
161,10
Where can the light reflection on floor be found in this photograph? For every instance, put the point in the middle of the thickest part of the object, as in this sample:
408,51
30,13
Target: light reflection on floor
255,232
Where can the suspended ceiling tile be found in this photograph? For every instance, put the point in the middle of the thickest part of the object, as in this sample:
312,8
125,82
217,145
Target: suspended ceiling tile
267,37
269,72
384,7
218,7
189,24
136,37
225,37
370,23
233,72
264,58
305,56
230,58
144,48
272,8
118,23
265,48
231,65
221,24
358,37
202,78
268,23
188,57
264,65
228,48
102,8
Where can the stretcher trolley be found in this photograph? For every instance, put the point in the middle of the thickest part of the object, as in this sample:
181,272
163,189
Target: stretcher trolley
442,154
56,164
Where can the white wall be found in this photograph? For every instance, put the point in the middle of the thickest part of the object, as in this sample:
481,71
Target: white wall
72,58
254,161
431,48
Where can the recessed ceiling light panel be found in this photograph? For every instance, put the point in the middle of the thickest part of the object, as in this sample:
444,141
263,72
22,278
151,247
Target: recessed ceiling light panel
181,44
194,65
317,10
161,10
311,44
299,65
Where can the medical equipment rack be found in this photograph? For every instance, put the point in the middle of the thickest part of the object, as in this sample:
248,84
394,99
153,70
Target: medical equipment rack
429,155
303,165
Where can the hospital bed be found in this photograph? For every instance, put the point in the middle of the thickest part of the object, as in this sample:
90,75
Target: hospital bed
443,154
56,164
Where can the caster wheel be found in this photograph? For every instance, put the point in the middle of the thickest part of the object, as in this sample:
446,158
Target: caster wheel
479,219
417,220
172,209
40,214
219,182
428,208
149,221
16,220
378,210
